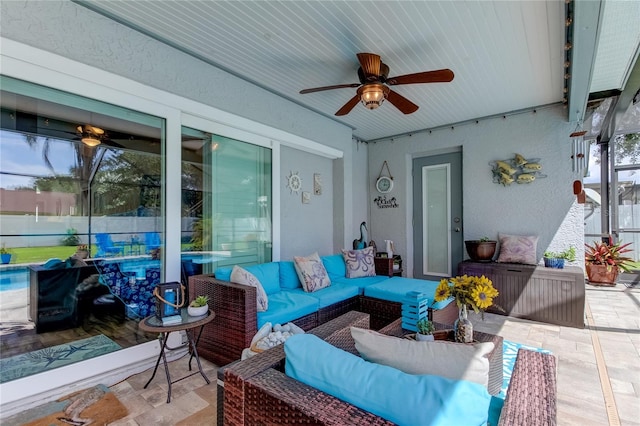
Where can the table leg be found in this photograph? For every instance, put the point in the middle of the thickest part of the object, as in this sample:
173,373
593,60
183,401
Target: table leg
194,354
197,340
162,356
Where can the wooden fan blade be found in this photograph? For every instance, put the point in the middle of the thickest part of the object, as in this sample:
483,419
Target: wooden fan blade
370,63
346,108
403,104
337,86
438,76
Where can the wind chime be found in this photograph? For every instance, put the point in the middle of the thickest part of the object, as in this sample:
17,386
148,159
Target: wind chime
579,161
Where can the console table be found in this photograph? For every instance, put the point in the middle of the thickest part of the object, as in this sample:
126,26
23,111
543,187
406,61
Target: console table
534,292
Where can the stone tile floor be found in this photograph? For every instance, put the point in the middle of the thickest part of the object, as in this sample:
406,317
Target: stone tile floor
598,368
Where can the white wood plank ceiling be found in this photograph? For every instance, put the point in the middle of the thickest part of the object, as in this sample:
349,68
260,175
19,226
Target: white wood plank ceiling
506,55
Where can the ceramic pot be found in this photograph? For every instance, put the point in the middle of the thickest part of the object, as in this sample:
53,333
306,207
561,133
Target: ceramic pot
601,274
5,258
480,251
424,337
463,328
197,311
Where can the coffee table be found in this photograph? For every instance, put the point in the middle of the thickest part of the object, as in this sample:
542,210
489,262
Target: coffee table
153,324
495,356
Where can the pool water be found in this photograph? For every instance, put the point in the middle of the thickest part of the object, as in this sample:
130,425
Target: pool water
14,279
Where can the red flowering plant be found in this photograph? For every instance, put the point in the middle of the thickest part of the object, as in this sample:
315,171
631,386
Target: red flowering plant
611,255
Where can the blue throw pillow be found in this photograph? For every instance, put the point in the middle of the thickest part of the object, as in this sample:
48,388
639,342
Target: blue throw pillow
401,398
335,266
288,275
223,273
268,274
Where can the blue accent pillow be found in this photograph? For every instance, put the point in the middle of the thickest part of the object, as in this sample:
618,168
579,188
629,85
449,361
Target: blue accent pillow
335,266
223,273
401,398
289,276
268,274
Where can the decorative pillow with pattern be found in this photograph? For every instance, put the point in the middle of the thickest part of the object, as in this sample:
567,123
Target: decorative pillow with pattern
242,276
518,249
360,262
311,272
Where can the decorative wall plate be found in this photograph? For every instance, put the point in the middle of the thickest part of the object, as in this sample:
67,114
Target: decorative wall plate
294,182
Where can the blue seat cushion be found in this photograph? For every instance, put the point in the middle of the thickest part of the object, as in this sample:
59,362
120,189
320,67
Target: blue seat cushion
335,293
401,398
289,276
335,266
362,282
395,290
287,305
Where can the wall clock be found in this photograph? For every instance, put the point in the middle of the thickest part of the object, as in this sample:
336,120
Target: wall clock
294,182
384,184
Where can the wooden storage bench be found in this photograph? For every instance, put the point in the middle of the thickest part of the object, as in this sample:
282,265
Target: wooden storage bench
551,295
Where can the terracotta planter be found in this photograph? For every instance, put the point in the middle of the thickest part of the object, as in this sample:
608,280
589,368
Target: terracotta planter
480,251
601,274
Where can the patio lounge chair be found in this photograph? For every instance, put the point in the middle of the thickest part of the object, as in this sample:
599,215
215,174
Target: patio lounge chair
106,246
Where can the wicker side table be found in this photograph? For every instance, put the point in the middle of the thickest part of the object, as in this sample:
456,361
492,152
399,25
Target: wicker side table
495,356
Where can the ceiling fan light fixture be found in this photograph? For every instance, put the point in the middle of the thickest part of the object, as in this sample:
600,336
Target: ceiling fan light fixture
372,95
90,141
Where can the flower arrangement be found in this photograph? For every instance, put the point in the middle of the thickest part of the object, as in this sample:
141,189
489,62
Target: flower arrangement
4,250
474,292
611,255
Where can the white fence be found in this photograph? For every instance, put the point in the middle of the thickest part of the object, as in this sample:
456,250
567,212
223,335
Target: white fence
32,231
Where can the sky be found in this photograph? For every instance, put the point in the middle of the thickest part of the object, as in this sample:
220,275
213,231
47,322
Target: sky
16,156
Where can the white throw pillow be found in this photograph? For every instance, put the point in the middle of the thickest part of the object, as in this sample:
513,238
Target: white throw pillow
242,276
447,359
311,272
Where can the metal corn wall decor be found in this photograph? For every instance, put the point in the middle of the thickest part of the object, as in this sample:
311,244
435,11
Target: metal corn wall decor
516,170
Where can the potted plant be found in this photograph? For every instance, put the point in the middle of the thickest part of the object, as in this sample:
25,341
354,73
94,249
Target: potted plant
481,250
198,306
556,259
425,330
604,261
5,255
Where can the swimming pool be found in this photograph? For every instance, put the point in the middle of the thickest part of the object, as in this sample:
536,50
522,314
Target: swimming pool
14,279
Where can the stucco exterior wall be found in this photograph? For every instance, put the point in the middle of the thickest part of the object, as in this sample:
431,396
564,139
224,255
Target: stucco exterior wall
72,31
545,207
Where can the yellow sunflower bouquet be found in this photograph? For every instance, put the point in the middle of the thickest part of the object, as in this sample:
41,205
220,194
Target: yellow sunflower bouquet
474,292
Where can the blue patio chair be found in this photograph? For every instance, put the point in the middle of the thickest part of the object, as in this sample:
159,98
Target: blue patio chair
106,246
136,294
151,241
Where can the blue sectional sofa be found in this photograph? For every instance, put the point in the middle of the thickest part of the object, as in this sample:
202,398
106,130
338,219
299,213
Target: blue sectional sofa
237,319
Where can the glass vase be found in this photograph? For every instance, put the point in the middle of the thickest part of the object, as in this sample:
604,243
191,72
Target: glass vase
463,327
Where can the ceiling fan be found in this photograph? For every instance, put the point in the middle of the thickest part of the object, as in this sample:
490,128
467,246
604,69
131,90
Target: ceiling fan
374,84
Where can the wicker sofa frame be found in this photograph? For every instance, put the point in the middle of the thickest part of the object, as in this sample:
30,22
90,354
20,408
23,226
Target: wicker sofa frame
223,340
256,390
